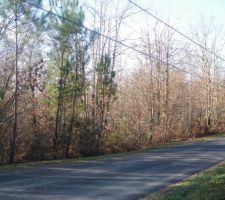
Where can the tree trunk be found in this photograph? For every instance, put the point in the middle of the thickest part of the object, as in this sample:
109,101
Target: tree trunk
14,131
59,111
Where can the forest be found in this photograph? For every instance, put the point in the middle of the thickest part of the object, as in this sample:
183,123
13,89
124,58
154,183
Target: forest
71,85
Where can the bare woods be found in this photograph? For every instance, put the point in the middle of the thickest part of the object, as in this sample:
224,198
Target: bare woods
67,90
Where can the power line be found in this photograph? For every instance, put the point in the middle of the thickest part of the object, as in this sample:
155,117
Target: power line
107,37
176,30
117,41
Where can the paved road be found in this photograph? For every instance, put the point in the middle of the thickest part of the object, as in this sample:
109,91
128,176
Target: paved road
121,177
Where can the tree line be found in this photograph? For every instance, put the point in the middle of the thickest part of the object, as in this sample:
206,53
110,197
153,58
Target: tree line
63,93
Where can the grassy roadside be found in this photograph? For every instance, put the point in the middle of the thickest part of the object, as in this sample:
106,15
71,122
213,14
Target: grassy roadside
207,185
103,157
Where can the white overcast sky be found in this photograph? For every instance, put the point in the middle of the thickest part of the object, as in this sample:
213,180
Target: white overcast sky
186,10
182,14
179,13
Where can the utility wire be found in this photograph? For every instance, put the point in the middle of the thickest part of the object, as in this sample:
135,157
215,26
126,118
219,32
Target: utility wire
176,30
117,41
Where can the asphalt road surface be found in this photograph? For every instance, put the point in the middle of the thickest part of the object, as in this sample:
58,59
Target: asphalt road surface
130,176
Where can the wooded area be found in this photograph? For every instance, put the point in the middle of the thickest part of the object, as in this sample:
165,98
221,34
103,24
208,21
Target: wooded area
65,90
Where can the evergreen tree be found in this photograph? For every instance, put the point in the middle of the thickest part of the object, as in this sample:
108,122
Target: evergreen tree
69,58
